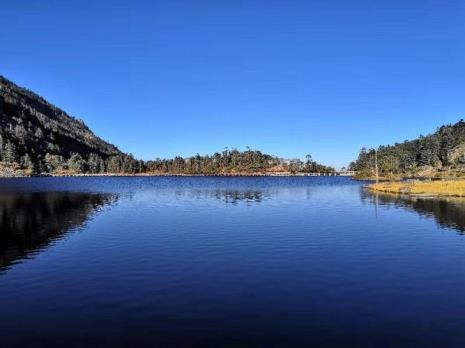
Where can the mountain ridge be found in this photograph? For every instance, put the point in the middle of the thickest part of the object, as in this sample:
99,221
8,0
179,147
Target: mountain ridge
26,105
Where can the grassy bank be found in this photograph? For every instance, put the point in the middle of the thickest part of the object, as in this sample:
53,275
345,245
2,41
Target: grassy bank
447,188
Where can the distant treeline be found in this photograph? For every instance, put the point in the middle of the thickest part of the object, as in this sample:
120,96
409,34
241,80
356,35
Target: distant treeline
234,162
227,162
442,151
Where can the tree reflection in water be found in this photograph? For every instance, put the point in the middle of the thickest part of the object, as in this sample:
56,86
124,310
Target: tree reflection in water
448,212
236,196
31,221
226,196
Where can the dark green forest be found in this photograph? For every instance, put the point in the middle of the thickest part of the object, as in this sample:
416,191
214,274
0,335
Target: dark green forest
36,137
442,151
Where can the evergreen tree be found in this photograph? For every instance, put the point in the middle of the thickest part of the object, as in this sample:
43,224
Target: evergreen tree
114,164
26,163
77,164
52,162
96,164
10,153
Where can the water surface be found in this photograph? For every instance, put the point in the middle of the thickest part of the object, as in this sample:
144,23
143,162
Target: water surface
208,262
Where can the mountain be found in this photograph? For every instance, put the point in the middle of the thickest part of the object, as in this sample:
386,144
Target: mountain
38,136
437,154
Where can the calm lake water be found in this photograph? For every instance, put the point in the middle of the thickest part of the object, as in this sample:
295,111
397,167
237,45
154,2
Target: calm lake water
239,262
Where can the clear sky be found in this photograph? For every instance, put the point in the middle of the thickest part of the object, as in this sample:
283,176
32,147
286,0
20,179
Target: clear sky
289,77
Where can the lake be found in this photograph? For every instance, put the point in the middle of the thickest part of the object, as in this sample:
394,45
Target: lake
227,262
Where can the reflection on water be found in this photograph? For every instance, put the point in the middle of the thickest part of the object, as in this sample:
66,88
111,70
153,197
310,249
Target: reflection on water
226,196
236,196
448,212
31,221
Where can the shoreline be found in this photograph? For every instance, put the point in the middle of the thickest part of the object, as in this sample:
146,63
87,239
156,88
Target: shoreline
429,189
283,174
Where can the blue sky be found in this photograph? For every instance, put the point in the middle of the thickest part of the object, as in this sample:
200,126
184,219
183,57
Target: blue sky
162,78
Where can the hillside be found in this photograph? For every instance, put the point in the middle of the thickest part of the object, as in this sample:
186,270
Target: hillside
36,136
438,154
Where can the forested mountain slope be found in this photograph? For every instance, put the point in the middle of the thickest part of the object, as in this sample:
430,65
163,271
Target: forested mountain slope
37,135
434,154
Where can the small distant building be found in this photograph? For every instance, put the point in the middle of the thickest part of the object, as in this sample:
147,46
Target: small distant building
289,162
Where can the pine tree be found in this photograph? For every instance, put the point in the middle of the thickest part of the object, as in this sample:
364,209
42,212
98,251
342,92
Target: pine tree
1,148
96,164
52,162
26,163
10,153
114,164
77,164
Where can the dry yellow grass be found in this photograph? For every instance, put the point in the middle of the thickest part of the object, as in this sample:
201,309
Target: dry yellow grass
452,188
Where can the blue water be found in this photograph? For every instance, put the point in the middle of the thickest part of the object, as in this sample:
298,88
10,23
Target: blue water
227,262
